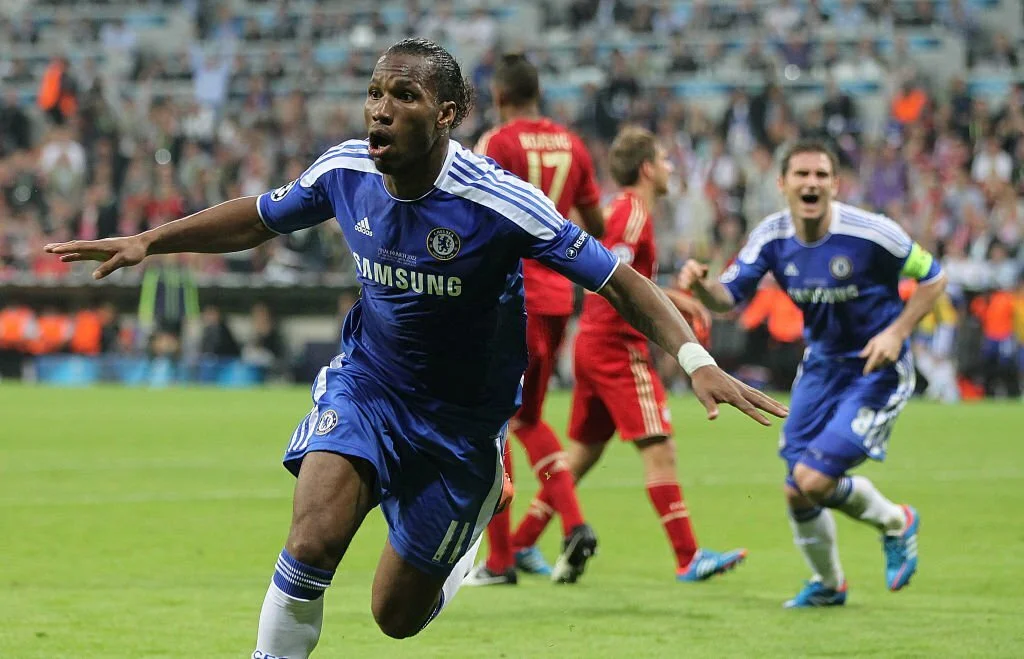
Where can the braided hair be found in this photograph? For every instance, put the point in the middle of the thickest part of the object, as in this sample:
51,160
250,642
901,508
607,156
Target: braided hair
445,76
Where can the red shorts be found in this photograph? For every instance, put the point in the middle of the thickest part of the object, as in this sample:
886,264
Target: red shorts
543,338
616,388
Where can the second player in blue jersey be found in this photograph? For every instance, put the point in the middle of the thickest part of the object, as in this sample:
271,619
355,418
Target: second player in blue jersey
842,267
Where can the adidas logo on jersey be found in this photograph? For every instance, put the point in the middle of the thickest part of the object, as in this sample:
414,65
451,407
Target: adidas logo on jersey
363,227
791,270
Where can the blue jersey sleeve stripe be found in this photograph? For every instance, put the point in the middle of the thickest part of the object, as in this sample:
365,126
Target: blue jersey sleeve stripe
774,227
874,220
349,146
337,161
487,198
525,200
551,218
882,225
869,231
508,196
507,179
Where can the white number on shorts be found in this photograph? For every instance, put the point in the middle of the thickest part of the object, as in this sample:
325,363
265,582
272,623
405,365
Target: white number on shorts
874,427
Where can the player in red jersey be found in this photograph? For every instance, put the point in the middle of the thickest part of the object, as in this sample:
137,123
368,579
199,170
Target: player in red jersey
552,158
617,388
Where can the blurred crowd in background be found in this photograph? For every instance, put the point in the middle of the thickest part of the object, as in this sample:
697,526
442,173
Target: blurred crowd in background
113,121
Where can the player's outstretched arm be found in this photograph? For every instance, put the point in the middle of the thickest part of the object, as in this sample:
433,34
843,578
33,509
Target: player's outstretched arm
229,227
714,295
649,310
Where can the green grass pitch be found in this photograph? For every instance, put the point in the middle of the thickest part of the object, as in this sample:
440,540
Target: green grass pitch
142,523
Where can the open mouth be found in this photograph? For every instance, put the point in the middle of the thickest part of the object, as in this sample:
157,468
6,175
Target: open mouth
810,197
379,142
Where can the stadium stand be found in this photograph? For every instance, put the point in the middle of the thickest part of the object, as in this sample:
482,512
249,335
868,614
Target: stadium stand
116,116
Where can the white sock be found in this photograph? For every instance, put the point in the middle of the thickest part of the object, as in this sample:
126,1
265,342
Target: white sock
455,579
814,532
293,610
861,500
289,626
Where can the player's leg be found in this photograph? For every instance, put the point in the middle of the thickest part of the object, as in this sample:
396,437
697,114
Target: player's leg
658,455
500,566
860,429
544,336
337,457
814,533
436,519
815,397
590,427
333,494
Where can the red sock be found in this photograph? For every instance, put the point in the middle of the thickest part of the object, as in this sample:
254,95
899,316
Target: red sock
556,481
667,499
533,524
499,547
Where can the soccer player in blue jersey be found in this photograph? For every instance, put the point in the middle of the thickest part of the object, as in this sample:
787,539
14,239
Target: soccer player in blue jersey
842,267
411,416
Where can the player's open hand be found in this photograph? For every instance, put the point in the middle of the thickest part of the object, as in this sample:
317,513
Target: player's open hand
114,253
883,349
712,386
692,272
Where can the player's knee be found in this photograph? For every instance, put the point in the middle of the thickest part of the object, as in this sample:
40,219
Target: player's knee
813,484
316,549
394,620
658,455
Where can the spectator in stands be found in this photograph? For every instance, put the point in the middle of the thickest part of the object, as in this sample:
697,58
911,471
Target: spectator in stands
761,195
265,347
996,310
15,128
58,95
992,164
909,104
615,101
680,58
211,74
887,175
217,339
783,17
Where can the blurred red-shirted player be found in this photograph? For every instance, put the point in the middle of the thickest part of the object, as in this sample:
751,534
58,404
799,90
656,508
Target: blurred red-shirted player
555,160
617,388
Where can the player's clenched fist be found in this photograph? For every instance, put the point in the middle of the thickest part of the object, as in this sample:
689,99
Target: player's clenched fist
712,385
113,252
691,273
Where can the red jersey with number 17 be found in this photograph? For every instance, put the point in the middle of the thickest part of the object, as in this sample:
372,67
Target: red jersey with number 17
629,234
552,158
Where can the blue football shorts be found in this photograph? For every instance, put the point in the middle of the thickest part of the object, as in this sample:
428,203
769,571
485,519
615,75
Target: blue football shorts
437,490
839,417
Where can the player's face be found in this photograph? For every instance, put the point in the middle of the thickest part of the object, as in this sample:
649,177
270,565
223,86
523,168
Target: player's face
404,121
809,184
662,171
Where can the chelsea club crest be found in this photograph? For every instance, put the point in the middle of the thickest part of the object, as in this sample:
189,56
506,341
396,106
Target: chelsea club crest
443,244
841,267
327,421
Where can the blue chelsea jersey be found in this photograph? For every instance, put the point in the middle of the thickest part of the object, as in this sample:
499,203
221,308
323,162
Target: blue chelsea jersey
846,284
441,319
